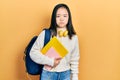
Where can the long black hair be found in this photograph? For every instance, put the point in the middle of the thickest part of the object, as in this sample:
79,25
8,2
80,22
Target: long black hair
53,25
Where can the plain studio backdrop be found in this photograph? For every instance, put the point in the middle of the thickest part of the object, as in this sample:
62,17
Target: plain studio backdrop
97,23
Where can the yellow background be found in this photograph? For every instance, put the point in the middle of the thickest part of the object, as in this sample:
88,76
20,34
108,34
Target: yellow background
97,23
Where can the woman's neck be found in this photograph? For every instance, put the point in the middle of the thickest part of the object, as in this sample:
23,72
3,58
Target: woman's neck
63,28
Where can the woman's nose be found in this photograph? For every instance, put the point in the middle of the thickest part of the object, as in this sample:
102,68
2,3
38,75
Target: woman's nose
61,18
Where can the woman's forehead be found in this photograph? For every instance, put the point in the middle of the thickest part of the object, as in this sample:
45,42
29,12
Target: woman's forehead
62,10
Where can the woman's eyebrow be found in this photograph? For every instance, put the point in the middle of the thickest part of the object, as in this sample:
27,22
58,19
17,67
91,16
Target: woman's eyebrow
65,14
62,14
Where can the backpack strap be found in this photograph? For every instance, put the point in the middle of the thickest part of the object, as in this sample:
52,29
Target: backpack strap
47,36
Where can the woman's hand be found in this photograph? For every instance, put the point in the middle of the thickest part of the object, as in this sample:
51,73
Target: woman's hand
56,61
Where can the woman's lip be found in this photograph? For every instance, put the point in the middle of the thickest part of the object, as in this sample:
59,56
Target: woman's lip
61,22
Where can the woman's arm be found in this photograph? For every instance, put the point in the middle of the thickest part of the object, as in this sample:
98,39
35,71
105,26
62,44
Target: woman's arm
75,59
36,54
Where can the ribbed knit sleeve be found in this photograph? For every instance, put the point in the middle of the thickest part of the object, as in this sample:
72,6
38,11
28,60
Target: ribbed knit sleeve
75,59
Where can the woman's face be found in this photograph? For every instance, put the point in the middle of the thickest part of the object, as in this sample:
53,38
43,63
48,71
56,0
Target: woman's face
62,17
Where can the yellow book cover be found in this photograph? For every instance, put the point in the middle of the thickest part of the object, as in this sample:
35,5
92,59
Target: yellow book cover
54,42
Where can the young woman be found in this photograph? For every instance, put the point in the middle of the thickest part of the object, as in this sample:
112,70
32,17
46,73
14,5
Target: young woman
62,68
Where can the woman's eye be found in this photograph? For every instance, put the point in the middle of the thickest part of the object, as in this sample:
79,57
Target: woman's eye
57,16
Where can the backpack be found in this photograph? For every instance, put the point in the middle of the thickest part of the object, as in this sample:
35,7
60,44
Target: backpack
32,67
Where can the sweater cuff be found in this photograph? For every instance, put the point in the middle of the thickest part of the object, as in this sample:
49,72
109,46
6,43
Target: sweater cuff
74,76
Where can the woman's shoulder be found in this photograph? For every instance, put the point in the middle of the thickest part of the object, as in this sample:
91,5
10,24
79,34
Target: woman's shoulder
75,36
42,33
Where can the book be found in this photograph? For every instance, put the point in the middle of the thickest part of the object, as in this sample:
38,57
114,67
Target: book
52,53
56,44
